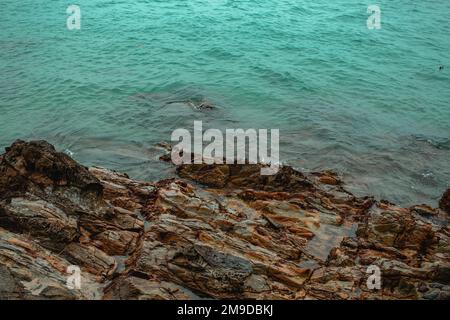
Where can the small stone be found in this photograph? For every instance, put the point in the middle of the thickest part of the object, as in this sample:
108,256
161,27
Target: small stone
423,288
329,180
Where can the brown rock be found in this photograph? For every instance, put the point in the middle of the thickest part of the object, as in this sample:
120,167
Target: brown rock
444,204
287,236
26,165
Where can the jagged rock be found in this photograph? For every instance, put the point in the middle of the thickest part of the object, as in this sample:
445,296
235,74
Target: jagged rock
134,288
245,176
444,204
241,235
29,271
29,166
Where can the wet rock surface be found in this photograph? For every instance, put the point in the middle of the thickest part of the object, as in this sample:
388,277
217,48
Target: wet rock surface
219,231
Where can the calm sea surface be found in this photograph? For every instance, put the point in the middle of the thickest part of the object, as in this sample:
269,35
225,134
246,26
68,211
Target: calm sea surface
370,104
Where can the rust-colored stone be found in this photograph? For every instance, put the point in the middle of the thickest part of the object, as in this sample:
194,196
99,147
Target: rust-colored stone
241,235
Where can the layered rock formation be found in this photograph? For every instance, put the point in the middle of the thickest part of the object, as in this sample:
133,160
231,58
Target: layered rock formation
219,231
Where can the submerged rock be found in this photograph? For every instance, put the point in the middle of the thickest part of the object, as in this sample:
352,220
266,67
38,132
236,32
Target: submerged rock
194,104
221,231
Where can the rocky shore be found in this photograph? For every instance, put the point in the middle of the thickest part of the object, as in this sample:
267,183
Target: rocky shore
217,231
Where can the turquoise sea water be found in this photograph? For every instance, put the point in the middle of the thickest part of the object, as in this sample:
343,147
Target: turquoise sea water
370,104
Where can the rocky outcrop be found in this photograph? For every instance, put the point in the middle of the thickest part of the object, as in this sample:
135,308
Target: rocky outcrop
220,231
444,204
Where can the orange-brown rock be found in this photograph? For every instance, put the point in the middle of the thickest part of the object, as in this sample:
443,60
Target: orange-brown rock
237,235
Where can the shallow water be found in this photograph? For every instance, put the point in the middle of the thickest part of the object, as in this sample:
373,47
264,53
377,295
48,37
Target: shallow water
371,104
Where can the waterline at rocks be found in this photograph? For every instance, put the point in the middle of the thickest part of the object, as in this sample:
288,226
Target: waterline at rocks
217,231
